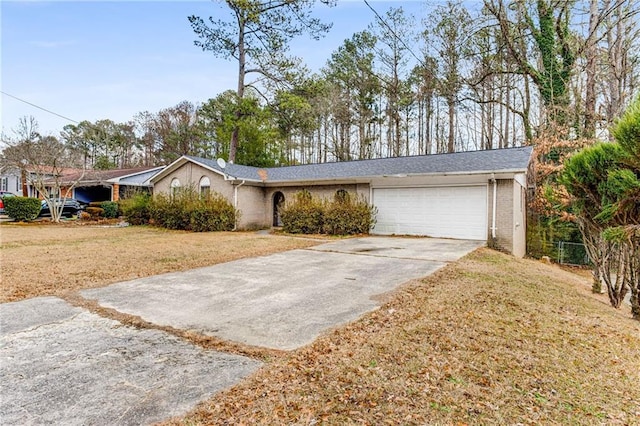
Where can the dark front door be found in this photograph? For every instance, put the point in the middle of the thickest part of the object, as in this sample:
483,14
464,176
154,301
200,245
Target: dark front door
278,202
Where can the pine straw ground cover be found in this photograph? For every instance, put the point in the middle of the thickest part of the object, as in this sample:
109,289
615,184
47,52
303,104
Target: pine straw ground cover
54,259
487,340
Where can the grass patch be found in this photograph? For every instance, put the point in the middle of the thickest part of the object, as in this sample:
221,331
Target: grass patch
40,260
487,340
530,346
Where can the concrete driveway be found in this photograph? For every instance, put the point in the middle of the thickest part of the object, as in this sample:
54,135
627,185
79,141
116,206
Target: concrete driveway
63,365
284,300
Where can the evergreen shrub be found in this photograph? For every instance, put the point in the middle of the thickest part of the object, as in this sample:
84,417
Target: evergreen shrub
304,215
344,215
136,210
188,210
348,216
110,209
22,208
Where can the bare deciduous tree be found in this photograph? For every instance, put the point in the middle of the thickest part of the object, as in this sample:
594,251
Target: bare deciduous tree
46,163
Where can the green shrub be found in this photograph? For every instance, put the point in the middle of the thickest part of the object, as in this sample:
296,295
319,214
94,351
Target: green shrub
22,208
110,209
345,216
342,216
188,210
304,215
136,210
213,213
169,212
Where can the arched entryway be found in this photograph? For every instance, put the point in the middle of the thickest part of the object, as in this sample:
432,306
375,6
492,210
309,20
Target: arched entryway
278,202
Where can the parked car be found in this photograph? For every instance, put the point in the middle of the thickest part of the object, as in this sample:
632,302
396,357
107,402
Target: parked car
71,207
4,194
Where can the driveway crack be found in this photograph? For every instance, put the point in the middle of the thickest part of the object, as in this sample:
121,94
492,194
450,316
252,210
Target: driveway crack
203,341
48,324
369,254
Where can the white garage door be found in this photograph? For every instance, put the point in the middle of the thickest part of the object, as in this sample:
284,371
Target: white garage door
447,212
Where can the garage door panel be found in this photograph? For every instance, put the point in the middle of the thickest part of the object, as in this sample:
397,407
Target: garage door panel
449,212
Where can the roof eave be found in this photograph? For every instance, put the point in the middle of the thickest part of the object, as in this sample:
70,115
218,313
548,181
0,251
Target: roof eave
168,169
367,178
117,179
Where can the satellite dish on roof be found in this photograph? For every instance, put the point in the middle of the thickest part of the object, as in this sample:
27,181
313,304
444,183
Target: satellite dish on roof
221,163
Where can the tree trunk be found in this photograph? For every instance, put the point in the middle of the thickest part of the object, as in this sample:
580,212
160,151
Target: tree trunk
505,136
428,116
590,90
526,110
451,147
233,144
613,271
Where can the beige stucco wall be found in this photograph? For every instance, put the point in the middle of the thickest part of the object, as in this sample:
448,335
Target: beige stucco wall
510,217
255,202
320,191
519,245
190,174
504,215
252,205
250,201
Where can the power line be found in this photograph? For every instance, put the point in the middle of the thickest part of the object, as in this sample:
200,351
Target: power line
39,107
383,22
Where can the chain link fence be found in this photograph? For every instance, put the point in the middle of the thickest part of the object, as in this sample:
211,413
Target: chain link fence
573,254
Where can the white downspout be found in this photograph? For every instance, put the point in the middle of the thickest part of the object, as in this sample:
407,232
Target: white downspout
493,209
235,202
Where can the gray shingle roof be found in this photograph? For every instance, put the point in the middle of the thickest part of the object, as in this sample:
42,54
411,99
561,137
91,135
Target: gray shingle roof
498,160
139,178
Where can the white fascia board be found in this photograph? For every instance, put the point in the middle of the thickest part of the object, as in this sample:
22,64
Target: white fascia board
207,167
168,169
227,176
306,182
504,174
117,179
521,178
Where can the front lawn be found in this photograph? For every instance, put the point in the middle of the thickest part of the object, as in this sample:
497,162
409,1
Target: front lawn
487,340
50,259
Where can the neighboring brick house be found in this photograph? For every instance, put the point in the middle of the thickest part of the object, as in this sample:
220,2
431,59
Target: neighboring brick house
478,195
88,185
108,185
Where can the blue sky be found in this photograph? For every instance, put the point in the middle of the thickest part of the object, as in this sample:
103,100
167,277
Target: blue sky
89,60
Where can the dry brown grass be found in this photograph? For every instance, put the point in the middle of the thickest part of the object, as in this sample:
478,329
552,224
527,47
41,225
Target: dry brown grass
42,260
488,340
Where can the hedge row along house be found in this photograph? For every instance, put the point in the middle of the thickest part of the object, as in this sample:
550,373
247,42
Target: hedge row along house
478,195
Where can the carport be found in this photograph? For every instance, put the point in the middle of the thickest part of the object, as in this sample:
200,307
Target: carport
90,193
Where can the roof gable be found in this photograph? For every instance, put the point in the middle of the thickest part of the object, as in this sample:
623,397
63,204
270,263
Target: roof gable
139,176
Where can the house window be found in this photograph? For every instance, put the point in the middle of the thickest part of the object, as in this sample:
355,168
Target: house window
4,184
175,186
205,187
